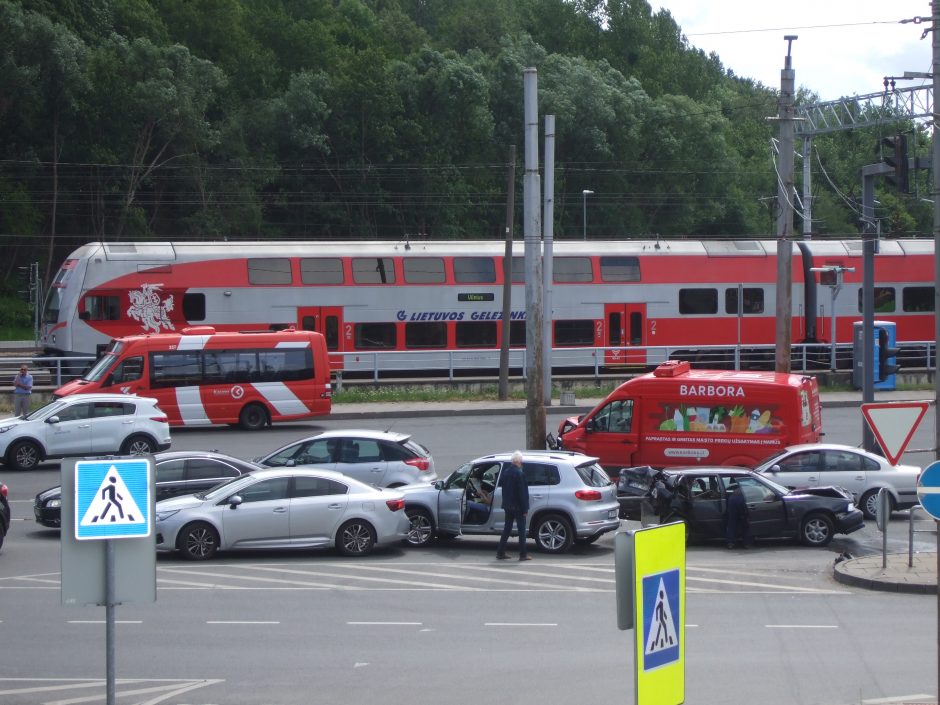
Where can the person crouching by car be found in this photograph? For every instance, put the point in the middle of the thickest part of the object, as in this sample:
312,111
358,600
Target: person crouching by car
737,528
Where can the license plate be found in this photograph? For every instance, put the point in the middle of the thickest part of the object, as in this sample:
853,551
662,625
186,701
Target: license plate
613,514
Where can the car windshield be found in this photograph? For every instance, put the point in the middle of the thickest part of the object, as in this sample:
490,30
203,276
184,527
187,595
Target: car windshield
458,478
227,487
100,367
47,410
779,488
772,459
593,475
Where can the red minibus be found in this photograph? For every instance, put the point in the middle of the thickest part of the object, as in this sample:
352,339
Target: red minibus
679,416
201,377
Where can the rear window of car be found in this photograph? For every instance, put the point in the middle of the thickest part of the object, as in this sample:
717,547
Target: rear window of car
416,448
540,474
593,475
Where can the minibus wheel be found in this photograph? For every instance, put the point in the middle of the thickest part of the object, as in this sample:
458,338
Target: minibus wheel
253,417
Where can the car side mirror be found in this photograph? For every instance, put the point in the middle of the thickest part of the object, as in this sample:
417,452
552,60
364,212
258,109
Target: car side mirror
52,419
590,426
774,468
234,501
438,484
291,463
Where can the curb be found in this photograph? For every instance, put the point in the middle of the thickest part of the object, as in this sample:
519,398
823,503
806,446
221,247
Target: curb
867,573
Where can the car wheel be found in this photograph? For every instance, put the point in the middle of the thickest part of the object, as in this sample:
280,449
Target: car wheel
816,530
869,504
3,534
553,533
24,455
198,541
138,445
253,417
421,530
355,538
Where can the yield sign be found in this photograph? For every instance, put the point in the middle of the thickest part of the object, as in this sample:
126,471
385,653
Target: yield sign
893,424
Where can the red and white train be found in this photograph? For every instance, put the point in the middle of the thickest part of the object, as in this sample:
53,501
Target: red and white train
431,306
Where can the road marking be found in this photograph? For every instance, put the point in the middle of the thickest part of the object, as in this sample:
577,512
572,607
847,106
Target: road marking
769,586
167,689
385,624
502,571
422,585
101,621
801,626
240,621
520,624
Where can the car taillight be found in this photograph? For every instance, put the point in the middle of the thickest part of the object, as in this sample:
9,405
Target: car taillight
3,489
588,495
395,505
159,419
423,464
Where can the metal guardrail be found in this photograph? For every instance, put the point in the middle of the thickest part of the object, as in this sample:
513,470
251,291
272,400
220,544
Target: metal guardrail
911,531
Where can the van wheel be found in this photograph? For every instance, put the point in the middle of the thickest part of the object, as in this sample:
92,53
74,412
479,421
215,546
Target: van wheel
553,533
253,417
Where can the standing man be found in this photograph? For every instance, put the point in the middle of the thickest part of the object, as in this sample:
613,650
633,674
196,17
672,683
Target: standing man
515,506
22,389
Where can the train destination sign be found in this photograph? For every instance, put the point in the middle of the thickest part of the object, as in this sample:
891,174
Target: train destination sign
476,297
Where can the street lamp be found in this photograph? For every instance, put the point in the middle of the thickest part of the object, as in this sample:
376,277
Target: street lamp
584,194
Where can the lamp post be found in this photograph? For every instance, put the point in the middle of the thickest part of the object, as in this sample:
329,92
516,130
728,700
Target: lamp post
584,194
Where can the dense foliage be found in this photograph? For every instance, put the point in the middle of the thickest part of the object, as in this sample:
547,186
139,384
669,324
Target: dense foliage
211,119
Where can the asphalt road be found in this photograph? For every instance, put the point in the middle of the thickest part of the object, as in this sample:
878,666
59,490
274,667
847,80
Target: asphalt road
449,624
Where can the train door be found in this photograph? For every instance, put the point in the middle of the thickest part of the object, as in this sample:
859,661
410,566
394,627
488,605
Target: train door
327,320
626,334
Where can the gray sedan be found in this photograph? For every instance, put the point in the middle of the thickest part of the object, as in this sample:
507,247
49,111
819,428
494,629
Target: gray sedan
571,499
282,508
860,472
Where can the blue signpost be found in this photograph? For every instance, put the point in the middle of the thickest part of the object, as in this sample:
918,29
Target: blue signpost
928,492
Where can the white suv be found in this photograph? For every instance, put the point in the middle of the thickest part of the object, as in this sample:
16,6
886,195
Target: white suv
84,424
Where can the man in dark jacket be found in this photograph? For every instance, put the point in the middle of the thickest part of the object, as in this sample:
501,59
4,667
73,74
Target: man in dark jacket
515,506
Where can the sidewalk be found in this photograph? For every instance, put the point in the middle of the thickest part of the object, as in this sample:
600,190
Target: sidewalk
896,576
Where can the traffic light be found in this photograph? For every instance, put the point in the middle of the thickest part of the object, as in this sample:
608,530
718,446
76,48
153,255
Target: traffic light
894,154
887,357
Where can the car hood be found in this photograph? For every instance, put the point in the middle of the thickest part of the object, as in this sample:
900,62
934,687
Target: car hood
11,422
49,494
183,502
825,491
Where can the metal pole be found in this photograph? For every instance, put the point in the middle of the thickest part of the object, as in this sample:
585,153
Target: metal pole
785,194
584,194
935,160
535,410
807,188
547,249
109,618
506,321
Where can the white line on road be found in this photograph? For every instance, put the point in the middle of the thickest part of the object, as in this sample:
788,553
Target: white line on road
801,626
520,624
240,621
385,624
101,621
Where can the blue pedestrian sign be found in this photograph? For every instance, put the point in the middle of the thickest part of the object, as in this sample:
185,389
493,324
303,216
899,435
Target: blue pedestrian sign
928,489
112,499
660,611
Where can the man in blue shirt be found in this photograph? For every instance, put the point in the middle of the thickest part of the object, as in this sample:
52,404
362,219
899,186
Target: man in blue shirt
22,391
515,505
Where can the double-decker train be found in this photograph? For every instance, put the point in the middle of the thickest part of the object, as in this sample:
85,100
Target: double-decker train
420,307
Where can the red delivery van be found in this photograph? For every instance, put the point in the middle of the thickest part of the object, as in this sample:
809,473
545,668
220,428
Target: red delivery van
202,377
679,416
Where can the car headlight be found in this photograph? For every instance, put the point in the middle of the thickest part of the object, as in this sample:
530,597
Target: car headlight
164,514
850,507
54,503
4,429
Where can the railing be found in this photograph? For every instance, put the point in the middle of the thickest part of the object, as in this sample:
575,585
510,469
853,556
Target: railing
911,531
597,362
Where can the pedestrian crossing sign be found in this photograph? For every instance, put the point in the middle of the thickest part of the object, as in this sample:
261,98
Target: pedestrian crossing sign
113,498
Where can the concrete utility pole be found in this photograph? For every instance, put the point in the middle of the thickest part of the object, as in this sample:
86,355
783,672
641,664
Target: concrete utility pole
535,409
785,197
548,221
936,231
506,322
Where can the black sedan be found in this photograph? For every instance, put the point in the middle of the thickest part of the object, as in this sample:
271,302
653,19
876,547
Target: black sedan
177,472
699,496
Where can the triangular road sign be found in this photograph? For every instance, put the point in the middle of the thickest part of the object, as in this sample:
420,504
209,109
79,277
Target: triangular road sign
893,424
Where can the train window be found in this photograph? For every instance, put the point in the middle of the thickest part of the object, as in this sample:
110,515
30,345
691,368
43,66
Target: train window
576,333
476,334
753,300
424,270
620,269
269,270
698,301
636,328
102,308
373,270
518,270
885,301
425,335
194,307
375,336
517,334
614,327
572,269
917,299
321,270
331,332
474,270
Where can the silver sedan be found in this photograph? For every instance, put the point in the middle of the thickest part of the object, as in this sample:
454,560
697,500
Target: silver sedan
283,508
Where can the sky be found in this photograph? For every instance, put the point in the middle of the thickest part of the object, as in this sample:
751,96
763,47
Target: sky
845,47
